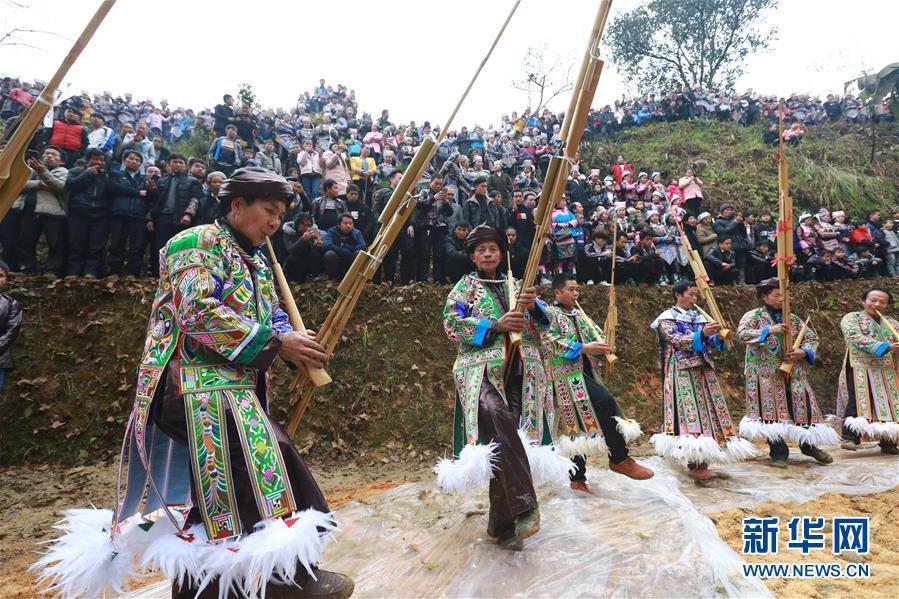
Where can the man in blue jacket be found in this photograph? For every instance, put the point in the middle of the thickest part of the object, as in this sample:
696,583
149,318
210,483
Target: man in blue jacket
341,244
130,206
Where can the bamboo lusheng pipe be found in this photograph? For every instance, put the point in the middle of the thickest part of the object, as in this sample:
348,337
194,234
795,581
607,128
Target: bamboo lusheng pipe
612,314
787,367
599,336
398,209
514,337
701,278
14,171
571,132
785,255
891,329
318,376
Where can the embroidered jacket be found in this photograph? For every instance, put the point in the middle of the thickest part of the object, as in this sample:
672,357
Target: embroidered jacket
764,352
874,376
214,312
470,313
569,331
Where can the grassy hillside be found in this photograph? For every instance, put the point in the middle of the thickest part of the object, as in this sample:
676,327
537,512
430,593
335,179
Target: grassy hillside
829,168
81,340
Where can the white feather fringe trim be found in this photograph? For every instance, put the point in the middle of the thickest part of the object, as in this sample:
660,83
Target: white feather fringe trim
629,429
547,464
582,445
84,561
474,468
172,555
273,551
818,435
739,450
688,449
874,430
755,429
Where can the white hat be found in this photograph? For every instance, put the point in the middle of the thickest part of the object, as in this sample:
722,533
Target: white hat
703,215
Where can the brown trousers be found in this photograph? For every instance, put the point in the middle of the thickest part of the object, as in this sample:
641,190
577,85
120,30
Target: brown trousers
511,488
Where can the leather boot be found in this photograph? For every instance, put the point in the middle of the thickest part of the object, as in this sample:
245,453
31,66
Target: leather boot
701,472
631,469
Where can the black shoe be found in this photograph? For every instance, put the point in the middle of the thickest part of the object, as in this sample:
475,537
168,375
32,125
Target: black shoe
889,449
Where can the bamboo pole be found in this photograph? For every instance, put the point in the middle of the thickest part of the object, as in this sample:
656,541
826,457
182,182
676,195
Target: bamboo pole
785,255
571,132
892,331
787,367
393,218
597,333
14,171
513,337
705,291
318,376
612,314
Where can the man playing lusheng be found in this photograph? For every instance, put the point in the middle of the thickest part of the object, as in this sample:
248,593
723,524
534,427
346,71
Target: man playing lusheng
867,395
217,497
590,421
489,405
780,408
698,429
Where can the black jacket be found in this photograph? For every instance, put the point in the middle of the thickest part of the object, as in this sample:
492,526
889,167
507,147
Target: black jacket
88,193
716,257
457,262
124,188
478,211
10,323
363,219
188,194
729,227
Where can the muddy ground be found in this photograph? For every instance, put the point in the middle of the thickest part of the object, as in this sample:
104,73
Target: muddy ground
33,497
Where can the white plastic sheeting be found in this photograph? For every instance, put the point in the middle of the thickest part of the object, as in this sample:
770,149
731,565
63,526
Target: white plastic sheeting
631,539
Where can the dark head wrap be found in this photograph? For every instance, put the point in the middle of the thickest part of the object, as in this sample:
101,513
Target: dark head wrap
483,233
255,182
767,285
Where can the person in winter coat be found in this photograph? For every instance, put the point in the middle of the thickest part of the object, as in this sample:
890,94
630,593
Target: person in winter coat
730,224
480,209
341,244
305,248
458,263
175,207
88,216
889,243
41,210
128,224
705,233
10,323
691,188
363,217
720,262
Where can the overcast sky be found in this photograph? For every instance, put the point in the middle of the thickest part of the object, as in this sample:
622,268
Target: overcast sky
411,56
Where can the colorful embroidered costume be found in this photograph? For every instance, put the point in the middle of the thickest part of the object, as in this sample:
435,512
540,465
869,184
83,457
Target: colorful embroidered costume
867,395
215,491
580,429
779,408
500,422
697,423
470,307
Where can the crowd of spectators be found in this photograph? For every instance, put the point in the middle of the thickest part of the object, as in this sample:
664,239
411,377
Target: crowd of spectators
109,191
